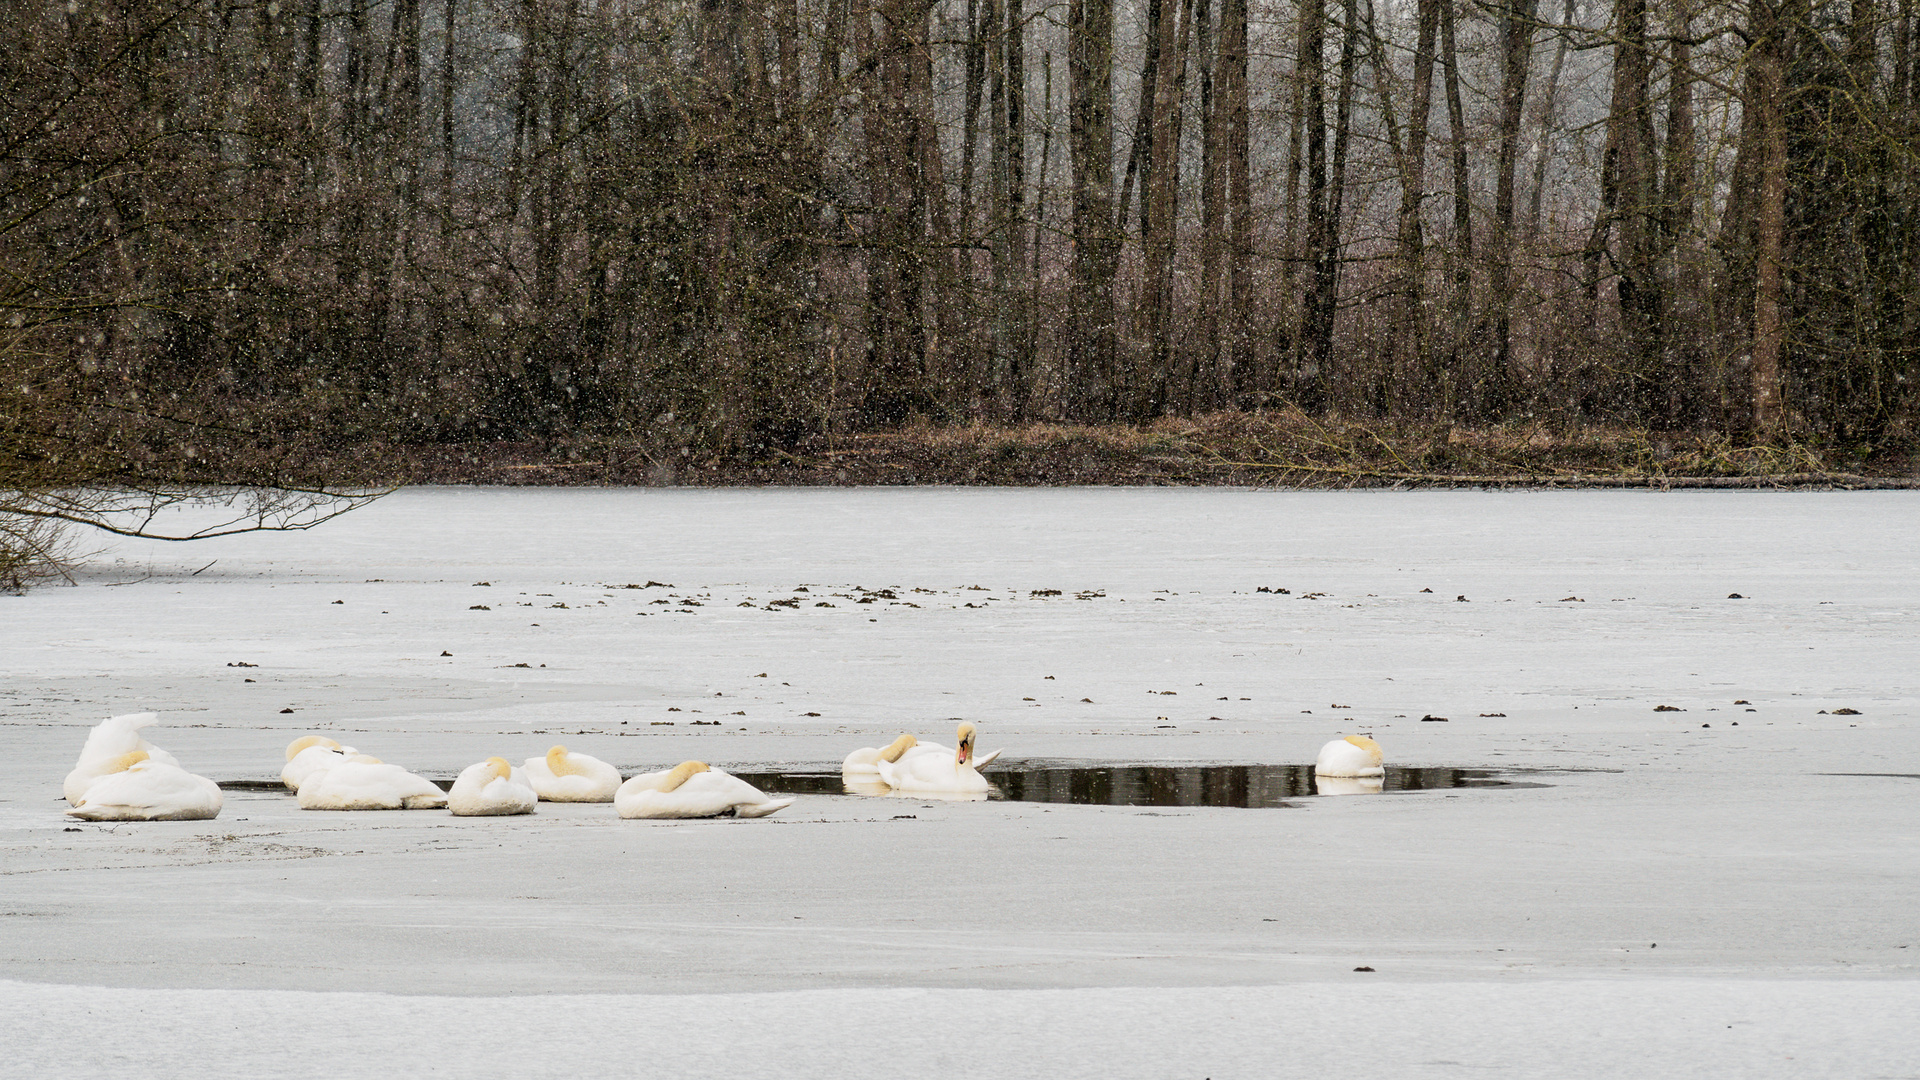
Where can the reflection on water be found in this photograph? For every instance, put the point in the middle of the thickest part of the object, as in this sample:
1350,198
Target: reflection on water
1154,785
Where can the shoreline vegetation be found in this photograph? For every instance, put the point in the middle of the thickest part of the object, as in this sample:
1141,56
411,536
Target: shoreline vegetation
1282,449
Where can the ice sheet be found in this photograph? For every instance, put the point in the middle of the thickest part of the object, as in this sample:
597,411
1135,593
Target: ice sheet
1714,857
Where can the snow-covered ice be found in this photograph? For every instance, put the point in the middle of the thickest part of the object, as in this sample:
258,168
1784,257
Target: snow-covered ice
1726,892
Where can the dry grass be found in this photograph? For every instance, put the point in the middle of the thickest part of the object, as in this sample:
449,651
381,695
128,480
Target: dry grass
1273,448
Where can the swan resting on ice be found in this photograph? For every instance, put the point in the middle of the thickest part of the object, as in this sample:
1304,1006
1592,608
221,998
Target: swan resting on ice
564,776
692,789
488,789
108,742
366,783
310,754
1355,755
143,788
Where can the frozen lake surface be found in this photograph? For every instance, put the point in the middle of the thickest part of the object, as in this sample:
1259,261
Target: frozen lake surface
1725,888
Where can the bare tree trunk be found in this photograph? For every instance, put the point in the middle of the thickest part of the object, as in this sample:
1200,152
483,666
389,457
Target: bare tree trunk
1096,243
1309,385
896,336
1140,150
1241,375
1160,204
1496,391
1327,263
447,68
1407,337
1764,108
1015,292
1548,97
981,25
1200,364
1461,256
1686,311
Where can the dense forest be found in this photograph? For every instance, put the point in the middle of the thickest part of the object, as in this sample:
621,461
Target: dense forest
734,225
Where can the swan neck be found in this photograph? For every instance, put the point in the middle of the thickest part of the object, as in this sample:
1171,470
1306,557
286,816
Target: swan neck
681,774
898,747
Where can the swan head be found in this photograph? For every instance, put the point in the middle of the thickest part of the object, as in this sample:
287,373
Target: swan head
1367,744
126,761
559,764
499,767
897,747
963,737
681,773
305,741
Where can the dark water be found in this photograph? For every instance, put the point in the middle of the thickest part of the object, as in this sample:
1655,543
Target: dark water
1250,786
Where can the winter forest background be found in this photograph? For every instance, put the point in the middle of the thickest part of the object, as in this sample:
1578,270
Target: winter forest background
737,225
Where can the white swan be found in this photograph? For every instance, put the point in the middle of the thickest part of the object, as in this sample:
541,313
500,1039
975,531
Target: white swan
488,789
938,771
366,783
310,754
146,789
1355,755
563,776
864,763
692,789
109,741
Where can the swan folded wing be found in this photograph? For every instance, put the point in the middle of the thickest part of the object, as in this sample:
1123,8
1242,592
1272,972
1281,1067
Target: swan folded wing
150,791
563,776
490,789
362,785
700,794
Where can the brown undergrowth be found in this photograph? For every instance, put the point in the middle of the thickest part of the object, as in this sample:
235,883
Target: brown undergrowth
1265,449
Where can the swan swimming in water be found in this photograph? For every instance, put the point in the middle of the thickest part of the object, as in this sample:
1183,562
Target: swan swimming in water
1355,755
108,742
146,789
935,770
564,776
692,789
489,789
310,754
367,783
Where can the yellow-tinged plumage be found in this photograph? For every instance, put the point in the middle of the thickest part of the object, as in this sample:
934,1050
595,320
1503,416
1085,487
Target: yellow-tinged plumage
301,743
680,774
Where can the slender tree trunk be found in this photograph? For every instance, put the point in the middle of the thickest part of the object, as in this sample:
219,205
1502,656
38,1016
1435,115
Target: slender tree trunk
1496,392
1201,356
1461,255
1096,243
1015,292
1765,109
1140,151
1327,259
1548,98
1686,312
1636,211
1407,337
1160,201
1309,385
981,21
1241,375
447,68
896,336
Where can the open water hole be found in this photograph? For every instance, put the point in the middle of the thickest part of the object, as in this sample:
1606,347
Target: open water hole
1103,784
1100,784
